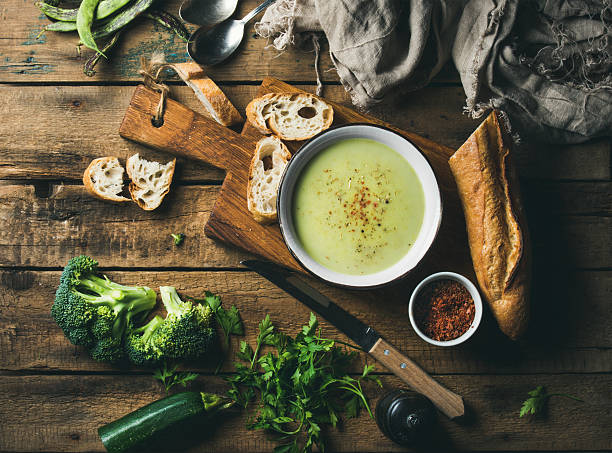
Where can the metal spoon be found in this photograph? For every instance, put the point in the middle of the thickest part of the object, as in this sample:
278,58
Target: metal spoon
207,12
210,47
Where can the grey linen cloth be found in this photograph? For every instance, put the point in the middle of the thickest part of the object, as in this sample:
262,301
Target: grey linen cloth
545,64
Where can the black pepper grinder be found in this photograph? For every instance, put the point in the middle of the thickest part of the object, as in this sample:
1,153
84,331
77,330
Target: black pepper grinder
405,417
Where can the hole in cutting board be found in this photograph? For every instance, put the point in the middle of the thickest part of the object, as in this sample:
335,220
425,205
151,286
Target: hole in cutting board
157,123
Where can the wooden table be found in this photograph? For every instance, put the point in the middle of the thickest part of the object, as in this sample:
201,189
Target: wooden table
54,120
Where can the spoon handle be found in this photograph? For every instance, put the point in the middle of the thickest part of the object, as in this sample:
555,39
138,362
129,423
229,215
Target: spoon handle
256,11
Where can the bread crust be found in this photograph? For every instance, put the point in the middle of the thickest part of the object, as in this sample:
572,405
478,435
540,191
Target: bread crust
133,187
254,115
214,100
89,186
262,217
497,231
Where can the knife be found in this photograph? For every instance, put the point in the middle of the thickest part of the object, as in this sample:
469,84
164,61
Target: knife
366,337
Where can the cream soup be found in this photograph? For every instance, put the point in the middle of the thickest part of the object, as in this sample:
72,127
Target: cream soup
358,207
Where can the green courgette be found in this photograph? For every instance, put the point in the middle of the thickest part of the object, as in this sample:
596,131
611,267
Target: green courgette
167,423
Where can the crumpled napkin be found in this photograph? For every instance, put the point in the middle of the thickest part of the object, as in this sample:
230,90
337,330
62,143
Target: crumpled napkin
545,64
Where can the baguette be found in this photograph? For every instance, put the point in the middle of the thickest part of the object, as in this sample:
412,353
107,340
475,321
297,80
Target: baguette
267,166
214,100
497,232
103,178
290,116
150,181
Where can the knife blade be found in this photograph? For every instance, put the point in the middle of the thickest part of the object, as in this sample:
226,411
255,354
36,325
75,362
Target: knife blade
365,336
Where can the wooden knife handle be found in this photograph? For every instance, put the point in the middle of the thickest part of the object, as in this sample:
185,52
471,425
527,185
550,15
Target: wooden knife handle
448,402
184,132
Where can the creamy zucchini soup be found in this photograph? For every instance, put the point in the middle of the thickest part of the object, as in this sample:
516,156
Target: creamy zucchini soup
358,207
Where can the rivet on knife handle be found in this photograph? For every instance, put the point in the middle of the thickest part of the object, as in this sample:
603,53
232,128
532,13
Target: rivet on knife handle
446,401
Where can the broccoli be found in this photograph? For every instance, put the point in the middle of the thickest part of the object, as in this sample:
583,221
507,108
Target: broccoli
185,334
141,346
95,312
187,331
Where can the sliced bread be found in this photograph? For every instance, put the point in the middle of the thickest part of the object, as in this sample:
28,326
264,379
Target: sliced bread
150,181
290,116
103,178
214,100
269,162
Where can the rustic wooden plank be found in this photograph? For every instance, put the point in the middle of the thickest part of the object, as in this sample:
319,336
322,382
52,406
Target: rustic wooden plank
570,330
48,231
53,57
62,413
71,122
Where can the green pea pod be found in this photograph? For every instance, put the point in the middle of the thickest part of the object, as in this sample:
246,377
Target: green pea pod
105,9
88,69
112,25
84,21
121,19
170,22
61,26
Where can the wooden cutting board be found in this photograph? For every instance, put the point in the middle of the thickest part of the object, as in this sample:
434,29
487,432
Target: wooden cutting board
191,135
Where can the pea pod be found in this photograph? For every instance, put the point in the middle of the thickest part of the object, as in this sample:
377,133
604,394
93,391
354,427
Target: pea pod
61,26
122,18
105,9
84,21
170,22
88,69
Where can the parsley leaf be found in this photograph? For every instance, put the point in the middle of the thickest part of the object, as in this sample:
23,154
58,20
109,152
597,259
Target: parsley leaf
537,400
169,376
229,321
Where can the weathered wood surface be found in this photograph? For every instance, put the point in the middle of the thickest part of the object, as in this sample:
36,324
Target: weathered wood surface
569,332
47,229
54,132
62,413
48,135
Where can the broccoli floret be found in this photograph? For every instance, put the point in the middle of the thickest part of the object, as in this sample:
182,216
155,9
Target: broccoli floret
95,312
141,346
187,331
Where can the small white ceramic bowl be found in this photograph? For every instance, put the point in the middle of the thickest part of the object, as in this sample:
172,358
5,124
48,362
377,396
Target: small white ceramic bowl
473,292
431,219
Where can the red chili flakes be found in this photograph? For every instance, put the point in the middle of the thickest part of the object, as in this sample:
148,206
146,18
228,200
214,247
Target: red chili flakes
444,310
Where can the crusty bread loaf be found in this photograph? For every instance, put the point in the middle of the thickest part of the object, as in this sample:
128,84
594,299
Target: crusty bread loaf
150,181
290,116
103,178
214,100
267,166
497,232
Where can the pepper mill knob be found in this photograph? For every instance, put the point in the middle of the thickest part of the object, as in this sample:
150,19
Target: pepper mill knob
405,417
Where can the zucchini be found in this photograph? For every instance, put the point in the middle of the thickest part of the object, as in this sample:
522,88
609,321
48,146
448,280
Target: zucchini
164,424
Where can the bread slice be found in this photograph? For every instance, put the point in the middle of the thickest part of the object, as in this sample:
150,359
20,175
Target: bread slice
269,162
297,116
497,231
150,181
214,100
103,178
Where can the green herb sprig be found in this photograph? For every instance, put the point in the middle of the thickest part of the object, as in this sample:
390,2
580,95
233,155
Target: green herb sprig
303,385
169,376
178,238
537,400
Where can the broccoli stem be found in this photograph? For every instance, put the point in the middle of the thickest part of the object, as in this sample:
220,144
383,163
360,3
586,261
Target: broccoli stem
171,300
148,329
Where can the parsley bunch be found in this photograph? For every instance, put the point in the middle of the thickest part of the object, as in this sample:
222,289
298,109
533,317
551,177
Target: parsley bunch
302,385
